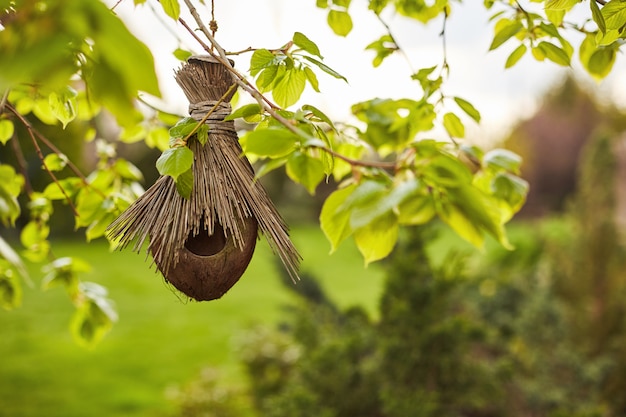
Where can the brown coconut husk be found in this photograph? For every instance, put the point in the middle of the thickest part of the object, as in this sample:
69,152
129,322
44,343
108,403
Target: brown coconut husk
202,245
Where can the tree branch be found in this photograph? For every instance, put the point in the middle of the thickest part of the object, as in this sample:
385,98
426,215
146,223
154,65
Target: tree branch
31,133
261,100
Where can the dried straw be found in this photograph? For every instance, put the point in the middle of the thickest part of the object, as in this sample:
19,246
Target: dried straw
226,205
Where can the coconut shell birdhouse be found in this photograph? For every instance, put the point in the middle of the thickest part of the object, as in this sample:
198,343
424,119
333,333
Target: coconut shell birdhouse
203,243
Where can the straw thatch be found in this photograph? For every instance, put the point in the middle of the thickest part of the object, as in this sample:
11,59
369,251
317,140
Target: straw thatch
203,244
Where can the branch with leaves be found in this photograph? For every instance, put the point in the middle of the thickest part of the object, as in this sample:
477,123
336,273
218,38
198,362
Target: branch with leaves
390,165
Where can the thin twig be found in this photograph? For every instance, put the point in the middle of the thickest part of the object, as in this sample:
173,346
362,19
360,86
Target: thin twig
395,42
31,133
261,100
54,149
3,101
22,164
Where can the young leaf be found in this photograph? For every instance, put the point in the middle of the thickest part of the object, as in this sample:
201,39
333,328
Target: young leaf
325,68
468,108
560,4
182,54
55,161
503,159
376,240
273,142
340,22
601,62
63,105
515,56
305,170
335,223
175,161
6,131
171,8
10,288
597,16
505,33
312,78
554,53
183,128
184,183
261,59
614,13
306,44
245,112
290,87
453,125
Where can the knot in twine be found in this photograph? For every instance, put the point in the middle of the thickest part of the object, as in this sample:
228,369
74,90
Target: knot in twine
218,111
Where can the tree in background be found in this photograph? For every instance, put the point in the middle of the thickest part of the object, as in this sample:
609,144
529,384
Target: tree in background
552,143
70,62
536,332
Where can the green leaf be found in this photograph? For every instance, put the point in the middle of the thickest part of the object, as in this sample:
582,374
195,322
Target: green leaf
376,240
9,207
306,44
127,170
515,56
183,128
601,62
63,271
560,4
34,233
335,223
133,134
171,8
158,138
247,112
512,190
182,54
503,159
468,108
63,105
175,161
7,252
70,185
305,170
89,206
471,213
10,289
55,161
340,22
554,53
556,16
505,33
453,125
325,68
597,16
184,183
419,209
94,316
6,130
97,228
380,201
312,78
290,87
614,13
261,59
273,142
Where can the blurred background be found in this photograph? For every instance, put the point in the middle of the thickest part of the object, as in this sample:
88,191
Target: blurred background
438,329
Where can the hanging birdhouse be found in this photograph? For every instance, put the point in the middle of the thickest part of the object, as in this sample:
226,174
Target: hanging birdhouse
203,244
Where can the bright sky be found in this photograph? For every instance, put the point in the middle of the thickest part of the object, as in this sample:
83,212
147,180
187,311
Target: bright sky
502,96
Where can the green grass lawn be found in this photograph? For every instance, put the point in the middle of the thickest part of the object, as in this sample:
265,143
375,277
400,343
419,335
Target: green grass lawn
161,341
